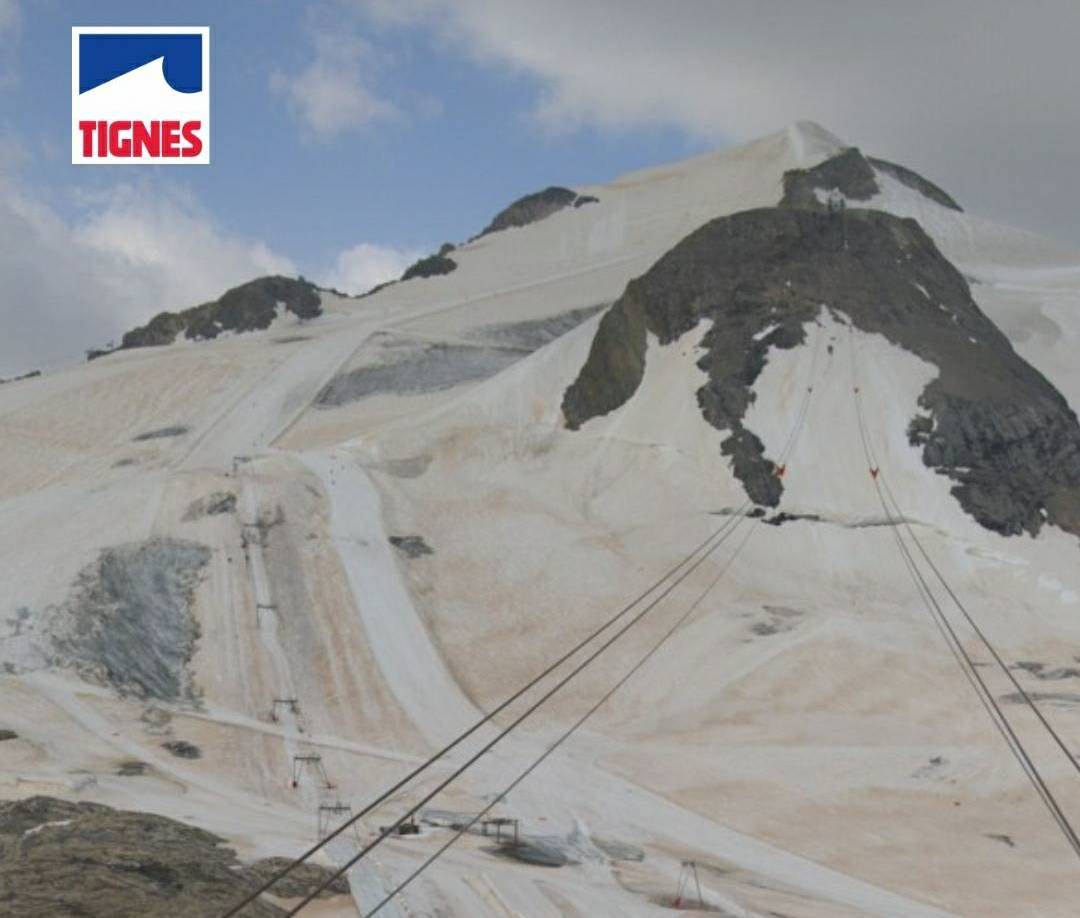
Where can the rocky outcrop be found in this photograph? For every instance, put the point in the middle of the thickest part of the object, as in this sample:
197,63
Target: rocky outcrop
33,374
61,858
182,749
855,177
411,546
991,422
431,266
849,173
249,307
534,207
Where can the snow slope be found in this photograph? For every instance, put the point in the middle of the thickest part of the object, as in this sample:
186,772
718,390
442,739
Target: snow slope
805,737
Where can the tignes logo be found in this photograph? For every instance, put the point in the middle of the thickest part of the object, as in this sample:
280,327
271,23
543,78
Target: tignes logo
140,95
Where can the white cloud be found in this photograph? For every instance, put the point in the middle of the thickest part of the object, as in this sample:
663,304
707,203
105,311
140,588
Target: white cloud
10,23
72,284
330,96
154,231
10,16
361,267
979,94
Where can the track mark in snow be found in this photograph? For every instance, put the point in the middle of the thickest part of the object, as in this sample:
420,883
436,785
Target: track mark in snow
408,660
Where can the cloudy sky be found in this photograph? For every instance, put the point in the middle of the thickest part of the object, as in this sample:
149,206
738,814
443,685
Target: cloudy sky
350,135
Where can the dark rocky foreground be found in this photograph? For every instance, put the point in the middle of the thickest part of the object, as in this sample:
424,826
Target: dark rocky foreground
82,860
249,307
992,423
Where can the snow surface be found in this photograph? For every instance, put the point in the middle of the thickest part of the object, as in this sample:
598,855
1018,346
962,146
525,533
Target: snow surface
805,737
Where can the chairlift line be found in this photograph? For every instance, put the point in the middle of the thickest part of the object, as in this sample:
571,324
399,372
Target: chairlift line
703,550
952,639
720,533
563,737
513,725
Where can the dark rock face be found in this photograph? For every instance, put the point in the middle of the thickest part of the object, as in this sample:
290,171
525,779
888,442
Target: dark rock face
432,266
853,174
8,735
993,424
129,623
59,858
249,307
534,207
849,172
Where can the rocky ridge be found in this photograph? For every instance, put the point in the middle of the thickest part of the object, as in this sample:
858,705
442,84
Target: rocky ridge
990,421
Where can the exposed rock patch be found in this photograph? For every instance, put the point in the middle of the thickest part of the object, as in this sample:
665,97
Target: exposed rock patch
59,858
6,735
431,266
777,620
778,519
33,374
300,881
129,623
990,422
249,307
848,172
182,749
412,546
215,504
1045,673
534,207
932,770
853,175
162,433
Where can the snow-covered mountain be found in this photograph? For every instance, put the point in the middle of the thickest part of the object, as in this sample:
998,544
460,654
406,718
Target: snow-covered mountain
350,533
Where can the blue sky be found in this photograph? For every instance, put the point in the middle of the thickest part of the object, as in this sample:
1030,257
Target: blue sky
457,146
350,136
